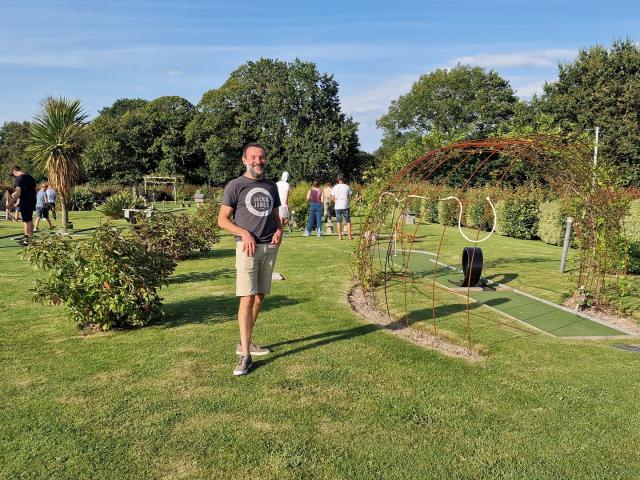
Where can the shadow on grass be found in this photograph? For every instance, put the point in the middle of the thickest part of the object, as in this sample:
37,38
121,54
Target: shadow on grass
318,340
213,309
502,277
202,276
495,262
217,253
426,314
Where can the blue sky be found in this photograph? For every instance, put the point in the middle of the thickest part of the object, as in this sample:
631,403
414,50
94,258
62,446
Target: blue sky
99,51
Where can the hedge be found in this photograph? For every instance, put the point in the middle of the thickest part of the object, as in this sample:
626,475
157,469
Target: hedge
448,211
519,217
552,222
632,233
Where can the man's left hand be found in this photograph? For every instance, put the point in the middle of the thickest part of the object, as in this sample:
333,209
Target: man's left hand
277,237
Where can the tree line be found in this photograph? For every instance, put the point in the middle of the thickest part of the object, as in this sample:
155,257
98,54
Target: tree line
295,112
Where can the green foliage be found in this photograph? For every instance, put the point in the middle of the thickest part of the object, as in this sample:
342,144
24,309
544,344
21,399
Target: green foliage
478,213
552,222
291,109
519,217
57,137
298,206
632,221
113,206
463,100
135,137
429,211
82,199
633,258
601,88
179,236
448,212
14,140
106,281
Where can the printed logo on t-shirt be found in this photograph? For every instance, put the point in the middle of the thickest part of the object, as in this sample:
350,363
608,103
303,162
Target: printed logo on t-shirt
259,202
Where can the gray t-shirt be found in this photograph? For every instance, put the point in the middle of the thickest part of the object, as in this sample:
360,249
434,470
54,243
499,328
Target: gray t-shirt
253,202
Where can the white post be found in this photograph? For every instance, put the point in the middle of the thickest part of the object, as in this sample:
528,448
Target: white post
565,247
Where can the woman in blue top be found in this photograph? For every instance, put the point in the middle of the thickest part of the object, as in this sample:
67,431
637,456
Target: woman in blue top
42,206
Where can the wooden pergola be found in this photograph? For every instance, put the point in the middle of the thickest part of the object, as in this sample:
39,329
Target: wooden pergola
160,180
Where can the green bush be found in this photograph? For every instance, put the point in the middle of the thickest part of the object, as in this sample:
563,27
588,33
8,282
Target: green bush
113,206
82,199
298,206
552,222
448,211
106,281
429,211
179,236
518,215
632,222
633,258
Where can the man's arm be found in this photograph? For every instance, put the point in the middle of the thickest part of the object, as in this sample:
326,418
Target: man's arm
225,222
277,236
14,197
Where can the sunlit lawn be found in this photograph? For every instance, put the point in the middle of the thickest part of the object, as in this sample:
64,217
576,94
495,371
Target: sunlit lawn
338,398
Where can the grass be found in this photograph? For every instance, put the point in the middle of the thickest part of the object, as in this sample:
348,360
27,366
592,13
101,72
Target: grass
338,398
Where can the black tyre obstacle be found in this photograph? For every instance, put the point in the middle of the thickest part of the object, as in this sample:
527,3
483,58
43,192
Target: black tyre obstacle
471,266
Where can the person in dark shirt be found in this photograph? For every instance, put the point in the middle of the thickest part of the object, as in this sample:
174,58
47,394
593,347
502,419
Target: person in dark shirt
250,211
25,190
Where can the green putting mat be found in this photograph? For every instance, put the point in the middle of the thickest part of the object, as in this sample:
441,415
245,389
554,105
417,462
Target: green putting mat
543,316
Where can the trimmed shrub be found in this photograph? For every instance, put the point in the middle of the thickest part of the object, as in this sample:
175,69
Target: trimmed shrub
518,215
298,206
632,222
448,212
114,205
552,222
429,211
179,236
106,281
633,258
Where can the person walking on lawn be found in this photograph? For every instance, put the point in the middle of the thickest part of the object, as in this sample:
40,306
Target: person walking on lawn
341,195
25,192
249,210
42,207
51,197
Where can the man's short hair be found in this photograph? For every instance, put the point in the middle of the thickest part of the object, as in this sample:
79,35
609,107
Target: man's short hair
16,168
341,177
253,144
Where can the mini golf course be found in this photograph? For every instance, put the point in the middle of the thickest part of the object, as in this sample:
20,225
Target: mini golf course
540,314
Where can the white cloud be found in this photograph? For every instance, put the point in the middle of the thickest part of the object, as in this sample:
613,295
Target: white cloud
532,58
174,73
376,100
527,90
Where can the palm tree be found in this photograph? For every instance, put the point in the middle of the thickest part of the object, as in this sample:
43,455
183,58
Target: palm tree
57,139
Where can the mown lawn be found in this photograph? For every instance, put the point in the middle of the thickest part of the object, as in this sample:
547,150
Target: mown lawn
338,398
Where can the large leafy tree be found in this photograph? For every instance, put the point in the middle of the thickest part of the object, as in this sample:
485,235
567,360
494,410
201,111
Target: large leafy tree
134,137
14,139
464,101
57,139
444,106
602,88
290,108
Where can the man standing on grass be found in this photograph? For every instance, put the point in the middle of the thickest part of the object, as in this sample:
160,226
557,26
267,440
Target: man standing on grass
25,191
341,195
249,210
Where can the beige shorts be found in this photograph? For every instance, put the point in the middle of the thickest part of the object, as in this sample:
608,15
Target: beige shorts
253,274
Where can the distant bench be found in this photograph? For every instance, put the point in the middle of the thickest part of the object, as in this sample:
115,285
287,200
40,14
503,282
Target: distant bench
130,213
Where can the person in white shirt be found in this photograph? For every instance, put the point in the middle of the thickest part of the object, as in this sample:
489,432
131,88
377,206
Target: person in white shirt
341,195
283,193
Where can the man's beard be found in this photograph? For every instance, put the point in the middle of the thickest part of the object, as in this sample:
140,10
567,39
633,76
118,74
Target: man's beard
255,174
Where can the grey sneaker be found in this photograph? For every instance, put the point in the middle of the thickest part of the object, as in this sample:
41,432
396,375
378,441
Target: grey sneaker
254,349
243,366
